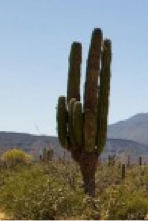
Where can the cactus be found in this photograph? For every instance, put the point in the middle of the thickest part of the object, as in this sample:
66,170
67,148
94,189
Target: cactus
47,155
82,126
140,160
123,171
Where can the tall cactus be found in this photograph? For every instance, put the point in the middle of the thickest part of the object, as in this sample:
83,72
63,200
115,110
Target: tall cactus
82,129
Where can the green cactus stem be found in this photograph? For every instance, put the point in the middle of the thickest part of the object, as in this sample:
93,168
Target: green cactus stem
91,89
78,124
103,96
74,72
62,121
93,71
70,123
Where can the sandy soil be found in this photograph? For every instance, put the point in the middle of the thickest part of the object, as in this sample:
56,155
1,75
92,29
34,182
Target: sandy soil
2,216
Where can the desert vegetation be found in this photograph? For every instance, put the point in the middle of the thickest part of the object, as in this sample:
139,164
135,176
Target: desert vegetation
14,156
54,190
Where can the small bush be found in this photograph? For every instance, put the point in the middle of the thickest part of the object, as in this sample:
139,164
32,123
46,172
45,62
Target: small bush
122,204
15,156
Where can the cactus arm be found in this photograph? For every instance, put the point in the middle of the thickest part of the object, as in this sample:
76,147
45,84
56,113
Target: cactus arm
93,71
62,121
74,72
103,96
91,89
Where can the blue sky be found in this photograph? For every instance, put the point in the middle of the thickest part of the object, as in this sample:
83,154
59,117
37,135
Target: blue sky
35,39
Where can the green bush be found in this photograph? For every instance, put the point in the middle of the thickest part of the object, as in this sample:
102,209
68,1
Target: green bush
122,204
53,191
32,194
14,156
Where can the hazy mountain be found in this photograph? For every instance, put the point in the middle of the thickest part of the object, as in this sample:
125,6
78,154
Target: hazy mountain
130,136
134,128
34,145
118,146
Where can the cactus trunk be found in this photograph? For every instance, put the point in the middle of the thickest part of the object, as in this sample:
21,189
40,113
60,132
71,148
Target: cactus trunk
88,165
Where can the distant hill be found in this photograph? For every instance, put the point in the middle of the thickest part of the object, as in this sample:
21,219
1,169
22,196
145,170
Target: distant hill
134,128
34,145
130,136
118,146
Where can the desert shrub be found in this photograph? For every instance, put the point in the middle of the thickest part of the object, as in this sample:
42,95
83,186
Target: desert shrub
15,156
53,191
122,204
68,172
32,194
107,176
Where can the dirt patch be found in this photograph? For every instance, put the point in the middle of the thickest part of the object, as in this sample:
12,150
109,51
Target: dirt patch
2,216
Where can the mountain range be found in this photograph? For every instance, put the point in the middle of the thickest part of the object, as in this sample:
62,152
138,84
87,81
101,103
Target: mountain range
128,136
135,128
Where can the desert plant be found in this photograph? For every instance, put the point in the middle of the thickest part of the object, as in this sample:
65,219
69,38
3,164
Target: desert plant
123,204
43,191
140,160
31,193
82,129
47,155
123,171
15,156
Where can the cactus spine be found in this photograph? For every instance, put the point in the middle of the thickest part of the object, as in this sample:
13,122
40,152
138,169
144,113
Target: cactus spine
83,129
